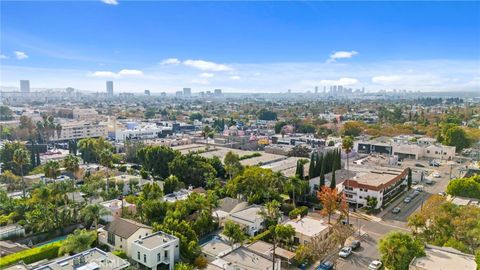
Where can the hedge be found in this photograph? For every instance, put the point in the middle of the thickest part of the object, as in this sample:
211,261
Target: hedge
28,256
256,154
259,236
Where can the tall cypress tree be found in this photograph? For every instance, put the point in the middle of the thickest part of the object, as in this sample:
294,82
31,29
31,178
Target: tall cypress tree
333,182
322,172
319,164
338,165
311,168
37,152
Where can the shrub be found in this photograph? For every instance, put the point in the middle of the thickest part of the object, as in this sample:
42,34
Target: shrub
122,168
49,251
302,211
286,208
120,253
256,154
260,236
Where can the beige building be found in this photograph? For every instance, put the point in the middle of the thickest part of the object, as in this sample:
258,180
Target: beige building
120,234
308,228
86,115
81,129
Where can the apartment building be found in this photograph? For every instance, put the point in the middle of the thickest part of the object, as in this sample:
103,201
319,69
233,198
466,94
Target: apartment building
380,183
79,130
156,249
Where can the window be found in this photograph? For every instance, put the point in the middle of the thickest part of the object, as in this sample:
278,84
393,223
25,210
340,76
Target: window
165,254
158,257
111,238
138,255
144,257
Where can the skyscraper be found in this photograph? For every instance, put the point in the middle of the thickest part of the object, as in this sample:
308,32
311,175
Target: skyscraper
147,92
316,89
187,92
217,92
25,86
109,88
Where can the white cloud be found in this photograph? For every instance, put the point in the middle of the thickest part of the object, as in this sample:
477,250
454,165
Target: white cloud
130,73
207,75
342,55
20,55
110,2
170,61
121,74
206,65
104,74
386,80
235,78
202,82
341,81
3,56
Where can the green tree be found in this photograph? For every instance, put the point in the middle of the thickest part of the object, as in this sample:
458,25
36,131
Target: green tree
284,233
172,184
294,185
233,232
196,116
21,159
267,115
52,169
77,242
456,136
232,164
347,145
397,250
352,128
184,266
92,214
192,169
155,159
465,187
409,179
106,160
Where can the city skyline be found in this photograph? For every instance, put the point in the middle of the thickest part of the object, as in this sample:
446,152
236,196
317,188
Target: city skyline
256,47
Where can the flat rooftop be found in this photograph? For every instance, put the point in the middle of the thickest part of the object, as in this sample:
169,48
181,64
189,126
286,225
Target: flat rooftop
248,214
216,247
443,259
243,258
155,240
308,226
92,259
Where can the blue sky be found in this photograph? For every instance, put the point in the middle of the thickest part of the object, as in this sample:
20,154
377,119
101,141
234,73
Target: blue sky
241,46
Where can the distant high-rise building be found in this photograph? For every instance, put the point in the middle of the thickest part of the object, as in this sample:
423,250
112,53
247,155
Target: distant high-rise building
316,89
109,88
187,92
289,91
217,92
147,92
69,90
25,86
179,94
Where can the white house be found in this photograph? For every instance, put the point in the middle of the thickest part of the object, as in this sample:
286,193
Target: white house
244,258
121,232
249,218
115,207
156,249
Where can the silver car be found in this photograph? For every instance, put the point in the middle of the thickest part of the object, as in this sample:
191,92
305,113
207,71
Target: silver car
345,252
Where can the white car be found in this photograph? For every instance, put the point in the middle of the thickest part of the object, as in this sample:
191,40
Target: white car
436,175
345,252
375,265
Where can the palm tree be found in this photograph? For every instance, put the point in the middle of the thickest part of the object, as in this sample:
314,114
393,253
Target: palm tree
93,213
294,185
58,129
21,157
347,145
107,161
52,169
71,164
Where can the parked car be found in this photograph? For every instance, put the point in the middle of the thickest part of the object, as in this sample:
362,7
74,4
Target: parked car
355,244
415,193
442,193
396,210
418,188
407,199
345,252
375,265
434,164
327,265
429,182
419,165
436,175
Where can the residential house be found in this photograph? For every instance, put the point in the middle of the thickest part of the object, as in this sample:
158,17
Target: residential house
156,249
115,208
243,258
226,206
92,259
121,232
11,231
249,218
307,229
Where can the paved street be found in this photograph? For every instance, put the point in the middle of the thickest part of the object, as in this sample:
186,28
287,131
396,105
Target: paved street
373,231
